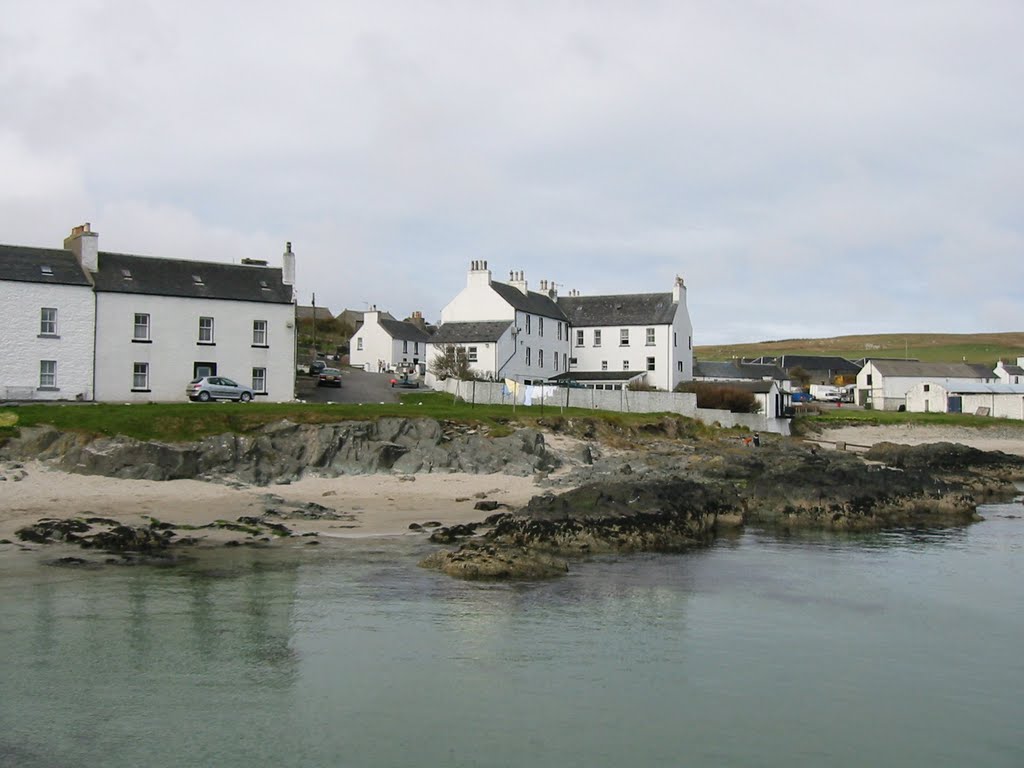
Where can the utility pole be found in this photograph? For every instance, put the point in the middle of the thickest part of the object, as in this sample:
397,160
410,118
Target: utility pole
314,326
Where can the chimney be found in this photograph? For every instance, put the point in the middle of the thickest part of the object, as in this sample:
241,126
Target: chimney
518,280
551,289
479,274
679,291
288,265
85,244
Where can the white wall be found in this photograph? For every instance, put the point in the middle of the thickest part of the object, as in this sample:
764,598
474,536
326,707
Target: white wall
590,358
174,331
23,349
936,400
549,343
476,302
888,393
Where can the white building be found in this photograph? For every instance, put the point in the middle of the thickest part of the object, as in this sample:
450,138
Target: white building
646,334
884,384
1007,373
382,339
48,307
1004,401
511,331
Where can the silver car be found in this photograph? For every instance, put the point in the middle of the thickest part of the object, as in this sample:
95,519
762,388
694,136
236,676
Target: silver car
207,388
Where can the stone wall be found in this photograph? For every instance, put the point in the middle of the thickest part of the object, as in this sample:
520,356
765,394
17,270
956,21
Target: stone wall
624,401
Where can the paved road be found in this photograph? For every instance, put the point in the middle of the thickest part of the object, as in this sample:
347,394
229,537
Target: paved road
357,387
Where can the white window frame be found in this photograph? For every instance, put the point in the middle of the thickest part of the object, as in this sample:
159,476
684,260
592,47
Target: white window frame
359,344
540,357
604,365
650,342
259,380
527,355
140,330
624,337
579,337
528,325
47,321
625,365
597,337
471,354
47,374
259,333
540,327
651,363
206,330
140,377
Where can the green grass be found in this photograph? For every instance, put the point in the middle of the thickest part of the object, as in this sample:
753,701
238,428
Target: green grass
184,422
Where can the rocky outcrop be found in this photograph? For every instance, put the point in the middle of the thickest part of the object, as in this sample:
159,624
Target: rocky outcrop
285,451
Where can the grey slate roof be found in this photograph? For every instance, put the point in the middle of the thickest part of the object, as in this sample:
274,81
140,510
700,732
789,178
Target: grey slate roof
937,370
626,309
734,370
1013,370
837,365
531,301
306,313
462,333
405,331
597,376
24,265
174,277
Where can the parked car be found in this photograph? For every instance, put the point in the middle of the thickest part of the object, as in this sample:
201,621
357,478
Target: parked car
316,366
405,382
329,377
206,388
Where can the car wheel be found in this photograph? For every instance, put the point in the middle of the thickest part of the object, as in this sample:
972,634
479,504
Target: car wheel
245,397
204,397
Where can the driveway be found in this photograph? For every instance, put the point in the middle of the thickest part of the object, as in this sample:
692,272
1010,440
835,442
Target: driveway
357,386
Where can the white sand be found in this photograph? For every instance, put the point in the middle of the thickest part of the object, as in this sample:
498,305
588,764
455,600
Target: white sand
1008,439
373,505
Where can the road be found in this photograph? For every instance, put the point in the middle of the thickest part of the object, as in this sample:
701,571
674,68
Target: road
357,387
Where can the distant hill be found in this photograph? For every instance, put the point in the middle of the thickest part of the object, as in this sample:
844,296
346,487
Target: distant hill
984,348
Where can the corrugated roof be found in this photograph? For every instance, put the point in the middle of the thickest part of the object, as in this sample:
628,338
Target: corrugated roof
40,265
124,273
936,370
978,388
397,329
624,309
462,333
531,301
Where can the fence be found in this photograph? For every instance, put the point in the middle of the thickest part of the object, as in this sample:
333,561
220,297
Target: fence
622,400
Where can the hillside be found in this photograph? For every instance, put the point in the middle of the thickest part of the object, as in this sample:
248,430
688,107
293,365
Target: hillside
928,347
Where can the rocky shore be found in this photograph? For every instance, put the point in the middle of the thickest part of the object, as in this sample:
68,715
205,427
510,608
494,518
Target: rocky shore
656,490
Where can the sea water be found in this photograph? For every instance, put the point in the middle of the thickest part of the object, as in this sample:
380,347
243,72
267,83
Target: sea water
902,648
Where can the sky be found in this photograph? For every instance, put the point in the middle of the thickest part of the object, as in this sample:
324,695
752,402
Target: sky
809,168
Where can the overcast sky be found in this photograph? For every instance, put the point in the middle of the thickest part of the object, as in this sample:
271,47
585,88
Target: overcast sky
810,168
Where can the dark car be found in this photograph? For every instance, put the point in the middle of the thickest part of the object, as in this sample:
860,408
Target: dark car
316,366
329,377
206,388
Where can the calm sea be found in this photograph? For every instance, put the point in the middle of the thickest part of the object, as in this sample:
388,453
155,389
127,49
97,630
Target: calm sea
903,649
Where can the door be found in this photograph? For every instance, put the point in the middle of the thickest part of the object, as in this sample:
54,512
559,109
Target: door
955,404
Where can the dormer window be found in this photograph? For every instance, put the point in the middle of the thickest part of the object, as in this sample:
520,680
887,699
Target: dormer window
197,279
126,274
46,270
264,286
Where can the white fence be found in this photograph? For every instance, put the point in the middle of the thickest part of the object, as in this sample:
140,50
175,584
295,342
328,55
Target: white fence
622,400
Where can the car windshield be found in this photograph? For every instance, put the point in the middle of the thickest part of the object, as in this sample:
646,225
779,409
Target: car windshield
330,372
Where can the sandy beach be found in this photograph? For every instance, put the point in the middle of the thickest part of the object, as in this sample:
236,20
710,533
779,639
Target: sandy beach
369,505
1009,439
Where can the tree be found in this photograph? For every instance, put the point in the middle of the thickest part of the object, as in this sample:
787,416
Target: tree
720,395
451,362
800,376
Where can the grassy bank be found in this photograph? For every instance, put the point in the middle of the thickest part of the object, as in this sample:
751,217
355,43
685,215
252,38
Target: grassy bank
180,422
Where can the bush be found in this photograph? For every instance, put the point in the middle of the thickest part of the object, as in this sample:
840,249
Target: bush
451,363
721,396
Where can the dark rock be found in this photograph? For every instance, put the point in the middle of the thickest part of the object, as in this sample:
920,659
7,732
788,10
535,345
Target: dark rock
479,561
415,527
453,532
486,506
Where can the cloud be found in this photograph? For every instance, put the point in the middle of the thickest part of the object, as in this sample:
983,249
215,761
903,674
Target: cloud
828,167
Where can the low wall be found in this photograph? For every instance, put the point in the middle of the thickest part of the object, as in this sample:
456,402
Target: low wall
623,401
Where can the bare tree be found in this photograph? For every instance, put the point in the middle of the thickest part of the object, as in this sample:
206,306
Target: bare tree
451,362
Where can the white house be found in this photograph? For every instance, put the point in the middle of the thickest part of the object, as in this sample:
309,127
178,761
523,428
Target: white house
161,322
382,339
1000,400
740,370
48,307
647,333
532,343
1007,373
884,384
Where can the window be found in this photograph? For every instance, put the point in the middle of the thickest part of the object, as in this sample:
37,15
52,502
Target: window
471,354
927,388
140,330
259,380
625,365
405,347
259,334
675,339
869,379
679,366
415,347
206,330
527,323
540,326
573,361
604,365
359,343
527,355
650,337
624,337
47,321
650,363
559,331
689,342
579,338
565,361
140,377
540,355
597,338
47,374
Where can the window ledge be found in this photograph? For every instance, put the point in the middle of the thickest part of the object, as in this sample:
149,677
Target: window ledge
47,389
206,344
142,341
261,346
140,390
48,336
